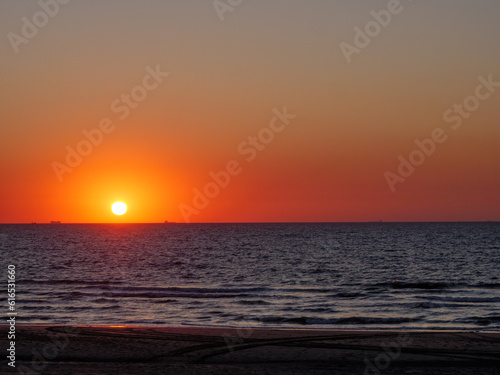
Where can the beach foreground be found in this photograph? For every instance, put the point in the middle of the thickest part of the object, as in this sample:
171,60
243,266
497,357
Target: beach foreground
155,350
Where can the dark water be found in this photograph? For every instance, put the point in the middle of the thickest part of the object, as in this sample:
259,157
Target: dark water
274,275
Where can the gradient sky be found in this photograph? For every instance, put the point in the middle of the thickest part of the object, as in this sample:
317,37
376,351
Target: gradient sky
226,77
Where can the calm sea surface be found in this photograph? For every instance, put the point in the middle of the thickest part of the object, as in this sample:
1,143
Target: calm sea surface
373,275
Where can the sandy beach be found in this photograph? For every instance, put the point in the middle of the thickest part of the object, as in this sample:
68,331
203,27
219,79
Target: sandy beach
155,350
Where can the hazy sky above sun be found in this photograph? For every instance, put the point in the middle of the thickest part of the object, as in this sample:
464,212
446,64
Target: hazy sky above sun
356,110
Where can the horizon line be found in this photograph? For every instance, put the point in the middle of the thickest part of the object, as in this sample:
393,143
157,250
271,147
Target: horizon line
262,222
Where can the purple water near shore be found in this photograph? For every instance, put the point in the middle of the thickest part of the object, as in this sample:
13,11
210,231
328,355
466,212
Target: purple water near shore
366,275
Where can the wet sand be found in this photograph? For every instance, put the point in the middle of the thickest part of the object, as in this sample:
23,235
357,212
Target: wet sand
154,350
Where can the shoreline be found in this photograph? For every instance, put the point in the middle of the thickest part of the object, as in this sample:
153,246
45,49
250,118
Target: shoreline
305,328
267,330
106,349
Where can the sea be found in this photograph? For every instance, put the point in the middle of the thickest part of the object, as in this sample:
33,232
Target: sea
432,276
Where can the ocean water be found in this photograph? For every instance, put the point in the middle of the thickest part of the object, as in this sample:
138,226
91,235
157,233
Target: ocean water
354,276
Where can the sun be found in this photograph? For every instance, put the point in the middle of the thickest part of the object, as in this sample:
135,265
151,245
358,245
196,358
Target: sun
119,208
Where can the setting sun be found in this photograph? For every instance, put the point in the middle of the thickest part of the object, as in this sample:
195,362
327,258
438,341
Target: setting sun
119,208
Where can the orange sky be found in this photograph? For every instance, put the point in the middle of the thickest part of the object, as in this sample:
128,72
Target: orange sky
352,122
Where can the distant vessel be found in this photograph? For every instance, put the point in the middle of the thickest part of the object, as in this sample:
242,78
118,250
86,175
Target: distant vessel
168,222
55,222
